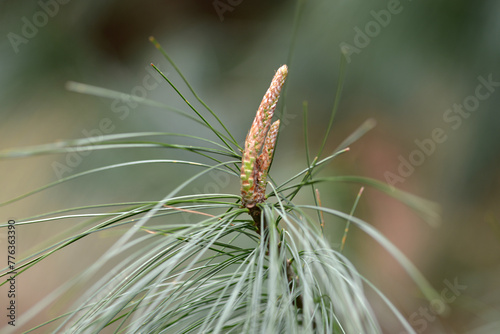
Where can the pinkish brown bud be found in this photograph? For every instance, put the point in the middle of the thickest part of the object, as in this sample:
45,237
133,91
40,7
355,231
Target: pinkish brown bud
254,168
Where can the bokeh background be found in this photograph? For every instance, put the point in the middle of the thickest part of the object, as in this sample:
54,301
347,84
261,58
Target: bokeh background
406,70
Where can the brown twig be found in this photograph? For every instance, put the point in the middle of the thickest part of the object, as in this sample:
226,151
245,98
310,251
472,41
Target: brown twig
292,279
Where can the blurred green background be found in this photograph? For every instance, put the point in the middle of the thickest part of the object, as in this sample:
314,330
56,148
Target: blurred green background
411,65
